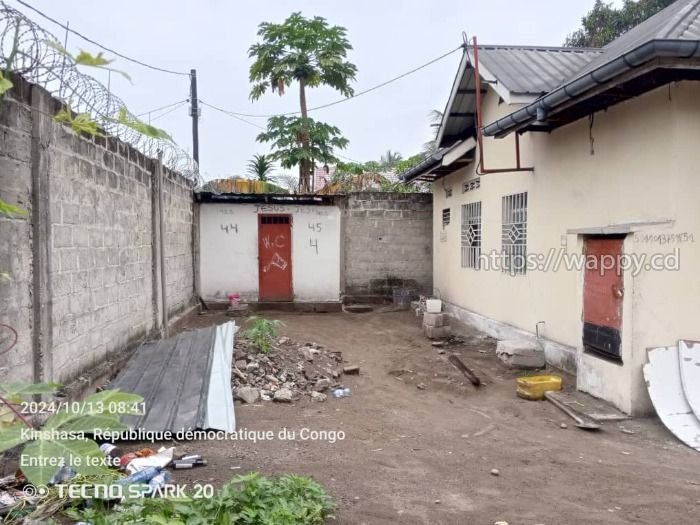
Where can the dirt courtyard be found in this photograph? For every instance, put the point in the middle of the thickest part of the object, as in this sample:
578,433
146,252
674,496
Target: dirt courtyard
424,455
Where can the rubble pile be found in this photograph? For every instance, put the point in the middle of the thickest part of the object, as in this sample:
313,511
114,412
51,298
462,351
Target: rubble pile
287,372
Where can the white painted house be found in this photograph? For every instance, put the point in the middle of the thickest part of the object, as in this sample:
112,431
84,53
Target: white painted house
269,248
553,161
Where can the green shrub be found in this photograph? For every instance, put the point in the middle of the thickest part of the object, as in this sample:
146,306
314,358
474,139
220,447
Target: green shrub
252,499
263,332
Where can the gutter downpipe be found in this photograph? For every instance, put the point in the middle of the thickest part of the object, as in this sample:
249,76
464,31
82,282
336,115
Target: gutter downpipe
480,169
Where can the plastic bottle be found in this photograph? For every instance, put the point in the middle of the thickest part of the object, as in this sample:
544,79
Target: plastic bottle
114,454
142,476
159,481
65,473
341,392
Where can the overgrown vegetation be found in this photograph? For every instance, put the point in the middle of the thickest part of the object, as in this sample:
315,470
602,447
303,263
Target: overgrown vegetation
604,23
252,499
263,332
61,435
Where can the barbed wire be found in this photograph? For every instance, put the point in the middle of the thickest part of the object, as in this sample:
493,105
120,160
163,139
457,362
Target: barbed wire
26,49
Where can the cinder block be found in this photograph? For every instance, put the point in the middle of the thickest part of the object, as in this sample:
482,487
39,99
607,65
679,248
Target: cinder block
520,353
436,332
435,320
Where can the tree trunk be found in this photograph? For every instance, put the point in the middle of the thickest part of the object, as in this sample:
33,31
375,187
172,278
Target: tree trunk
305,171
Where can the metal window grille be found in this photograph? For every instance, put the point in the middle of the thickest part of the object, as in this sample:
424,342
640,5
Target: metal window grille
445,217
471,235
471,185
274,219
514,233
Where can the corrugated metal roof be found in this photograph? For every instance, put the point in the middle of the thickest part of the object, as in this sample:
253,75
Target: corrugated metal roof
678,21
177,378
672,34
534,70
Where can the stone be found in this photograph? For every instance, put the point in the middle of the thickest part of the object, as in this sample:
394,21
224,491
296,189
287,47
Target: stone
318,396
283,395
351,370
436,320
563,425
322,385
283,340
307,353
495,472
247,394
435,332
241,364
421,386
520,353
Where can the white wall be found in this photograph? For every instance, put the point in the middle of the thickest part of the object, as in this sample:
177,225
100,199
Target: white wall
228,236
642,169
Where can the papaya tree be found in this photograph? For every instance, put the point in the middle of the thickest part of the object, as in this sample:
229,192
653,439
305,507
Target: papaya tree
307,52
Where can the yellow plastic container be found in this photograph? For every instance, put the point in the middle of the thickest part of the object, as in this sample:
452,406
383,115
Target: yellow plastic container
534,387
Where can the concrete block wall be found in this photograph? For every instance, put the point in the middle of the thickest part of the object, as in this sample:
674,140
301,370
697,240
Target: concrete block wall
388,242
102,265
178,205
15,242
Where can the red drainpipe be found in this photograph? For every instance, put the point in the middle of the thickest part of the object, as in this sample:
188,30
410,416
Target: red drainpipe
480,169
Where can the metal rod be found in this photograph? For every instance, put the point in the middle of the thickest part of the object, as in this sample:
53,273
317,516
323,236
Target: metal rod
481,169
161,230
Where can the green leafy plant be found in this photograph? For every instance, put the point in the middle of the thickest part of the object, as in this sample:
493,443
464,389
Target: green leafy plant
79,122
261,167
310,53
63,435
130,121
86,59
263,332
287,135
251,499
10,210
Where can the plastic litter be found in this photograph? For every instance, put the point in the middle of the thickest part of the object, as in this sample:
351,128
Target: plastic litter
342,392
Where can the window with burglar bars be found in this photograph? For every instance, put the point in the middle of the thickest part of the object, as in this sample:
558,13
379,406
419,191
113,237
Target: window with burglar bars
471,234
514,233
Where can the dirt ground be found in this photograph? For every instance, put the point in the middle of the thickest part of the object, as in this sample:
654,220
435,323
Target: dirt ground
415,456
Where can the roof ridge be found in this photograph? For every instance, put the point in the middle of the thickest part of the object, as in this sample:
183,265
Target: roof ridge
542,48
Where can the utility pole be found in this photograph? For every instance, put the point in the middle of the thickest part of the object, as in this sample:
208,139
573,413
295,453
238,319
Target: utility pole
194,112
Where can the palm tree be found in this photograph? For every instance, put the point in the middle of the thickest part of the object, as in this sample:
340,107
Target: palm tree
261,166
306,51
389,159
435,117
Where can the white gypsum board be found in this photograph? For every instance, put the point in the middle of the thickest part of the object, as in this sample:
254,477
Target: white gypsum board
663,378
689,361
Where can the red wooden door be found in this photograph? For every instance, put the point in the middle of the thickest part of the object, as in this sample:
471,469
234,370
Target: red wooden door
602,296
275,257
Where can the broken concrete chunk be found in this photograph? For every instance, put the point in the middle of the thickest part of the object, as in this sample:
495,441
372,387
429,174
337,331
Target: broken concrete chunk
318,396
283,395
322,385
520,353
247,394
435,332
436,320
351,370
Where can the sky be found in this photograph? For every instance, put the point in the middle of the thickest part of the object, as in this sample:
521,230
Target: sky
389,37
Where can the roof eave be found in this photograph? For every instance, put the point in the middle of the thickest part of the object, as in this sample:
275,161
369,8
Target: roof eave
680,49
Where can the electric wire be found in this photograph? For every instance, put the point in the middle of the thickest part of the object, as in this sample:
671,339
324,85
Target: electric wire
105,48
351,97
163,107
